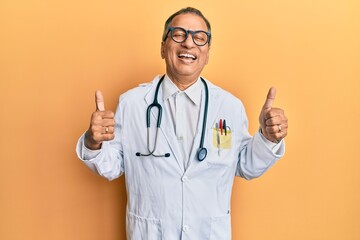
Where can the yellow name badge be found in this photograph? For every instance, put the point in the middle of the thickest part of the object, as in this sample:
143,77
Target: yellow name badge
221,141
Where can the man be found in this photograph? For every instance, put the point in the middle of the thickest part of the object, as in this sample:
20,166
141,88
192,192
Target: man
176,187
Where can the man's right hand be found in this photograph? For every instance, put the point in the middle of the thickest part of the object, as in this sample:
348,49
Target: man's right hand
102,125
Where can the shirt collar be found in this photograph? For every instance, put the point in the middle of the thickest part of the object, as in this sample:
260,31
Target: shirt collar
193,92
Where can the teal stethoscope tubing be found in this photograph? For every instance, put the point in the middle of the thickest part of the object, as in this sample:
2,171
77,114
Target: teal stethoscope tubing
202,151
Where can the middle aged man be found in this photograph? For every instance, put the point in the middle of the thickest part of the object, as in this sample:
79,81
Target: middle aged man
179,173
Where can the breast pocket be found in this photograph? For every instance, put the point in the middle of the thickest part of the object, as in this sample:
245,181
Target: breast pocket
221,148
221,139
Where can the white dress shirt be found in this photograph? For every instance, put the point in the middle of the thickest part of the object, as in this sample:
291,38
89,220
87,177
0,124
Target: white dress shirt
185,111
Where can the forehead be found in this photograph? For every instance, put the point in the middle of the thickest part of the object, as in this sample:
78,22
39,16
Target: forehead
189,21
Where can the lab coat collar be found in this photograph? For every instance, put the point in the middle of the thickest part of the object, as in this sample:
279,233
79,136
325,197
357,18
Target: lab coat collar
168,131
193,92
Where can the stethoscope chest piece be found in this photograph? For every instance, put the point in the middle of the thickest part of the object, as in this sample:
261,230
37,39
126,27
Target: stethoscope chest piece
201,153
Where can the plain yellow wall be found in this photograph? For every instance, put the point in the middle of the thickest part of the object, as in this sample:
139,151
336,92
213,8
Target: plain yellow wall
55,54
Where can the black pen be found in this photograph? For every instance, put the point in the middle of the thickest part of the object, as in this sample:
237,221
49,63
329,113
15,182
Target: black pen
224,126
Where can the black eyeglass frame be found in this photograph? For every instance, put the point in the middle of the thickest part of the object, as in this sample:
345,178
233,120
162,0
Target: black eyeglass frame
171,29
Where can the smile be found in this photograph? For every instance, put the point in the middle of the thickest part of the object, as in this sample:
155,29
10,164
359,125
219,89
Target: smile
187,56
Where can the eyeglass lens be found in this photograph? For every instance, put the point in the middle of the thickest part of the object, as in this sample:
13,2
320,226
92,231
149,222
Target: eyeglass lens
180,35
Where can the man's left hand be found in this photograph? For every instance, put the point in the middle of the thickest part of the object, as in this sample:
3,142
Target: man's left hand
273,122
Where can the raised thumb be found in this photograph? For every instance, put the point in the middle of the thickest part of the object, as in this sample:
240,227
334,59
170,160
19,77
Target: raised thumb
270,98
99,100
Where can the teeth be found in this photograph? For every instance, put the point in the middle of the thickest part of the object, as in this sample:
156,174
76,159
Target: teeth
187,55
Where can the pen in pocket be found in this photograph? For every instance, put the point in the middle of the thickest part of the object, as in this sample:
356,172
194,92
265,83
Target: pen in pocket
218,138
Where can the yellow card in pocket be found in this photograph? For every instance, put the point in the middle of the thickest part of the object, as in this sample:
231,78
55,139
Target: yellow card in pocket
223,141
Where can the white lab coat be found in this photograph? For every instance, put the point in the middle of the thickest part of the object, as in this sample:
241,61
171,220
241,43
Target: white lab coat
166,201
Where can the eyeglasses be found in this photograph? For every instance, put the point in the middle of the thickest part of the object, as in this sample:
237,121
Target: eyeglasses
179,35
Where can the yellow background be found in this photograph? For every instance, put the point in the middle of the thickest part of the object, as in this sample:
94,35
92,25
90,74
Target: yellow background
55,54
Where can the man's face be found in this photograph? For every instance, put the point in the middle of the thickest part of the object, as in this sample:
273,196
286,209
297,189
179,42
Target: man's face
185,59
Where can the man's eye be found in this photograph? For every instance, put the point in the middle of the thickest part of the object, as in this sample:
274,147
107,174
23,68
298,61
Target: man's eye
199,38
179,34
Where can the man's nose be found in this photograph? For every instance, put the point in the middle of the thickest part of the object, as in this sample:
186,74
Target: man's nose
189,41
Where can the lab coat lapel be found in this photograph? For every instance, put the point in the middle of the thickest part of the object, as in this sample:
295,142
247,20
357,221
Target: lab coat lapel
213,113
166,127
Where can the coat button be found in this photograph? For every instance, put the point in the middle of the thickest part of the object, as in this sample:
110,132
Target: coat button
184,178
185,228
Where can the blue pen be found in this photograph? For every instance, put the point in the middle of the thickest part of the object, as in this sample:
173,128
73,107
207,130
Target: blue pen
224,126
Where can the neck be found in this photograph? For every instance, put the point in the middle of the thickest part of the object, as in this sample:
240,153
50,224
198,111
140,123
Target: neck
183,82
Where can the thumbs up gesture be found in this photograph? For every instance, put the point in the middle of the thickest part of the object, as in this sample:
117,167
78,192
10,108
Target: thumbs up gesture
273,122
102,125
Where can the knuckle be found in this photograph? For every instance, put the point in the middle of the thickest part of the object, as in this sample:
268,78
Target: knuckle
272,113
109,114
95,115
269,122
270,130
97,138
268,115
109,137
274,129
93,129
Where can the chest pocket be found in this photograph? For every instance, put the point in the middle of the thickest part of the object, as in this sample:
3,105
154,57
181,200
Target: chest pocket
221,139
220,148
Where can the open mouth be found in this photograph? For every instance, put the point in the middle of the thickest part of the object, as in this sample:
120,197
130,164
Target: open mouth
187,56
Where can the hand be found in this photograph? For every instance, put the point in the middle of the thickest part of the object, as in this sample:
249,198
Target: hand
102,125
273,122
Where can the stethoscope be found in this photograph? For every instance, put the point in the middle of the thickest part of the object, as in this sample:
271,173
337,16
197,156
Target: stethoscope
201,152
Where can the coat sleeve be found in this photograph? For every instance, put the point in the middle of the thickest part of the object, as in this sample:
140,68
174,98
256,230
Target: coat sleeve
109,160
257,154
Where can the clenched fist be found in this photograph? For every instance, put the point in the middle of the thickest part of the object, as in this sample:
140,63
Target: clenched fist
102,125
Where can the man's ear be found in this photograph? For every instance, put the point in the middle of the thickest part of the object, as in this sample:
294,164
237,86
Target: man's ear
162,50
